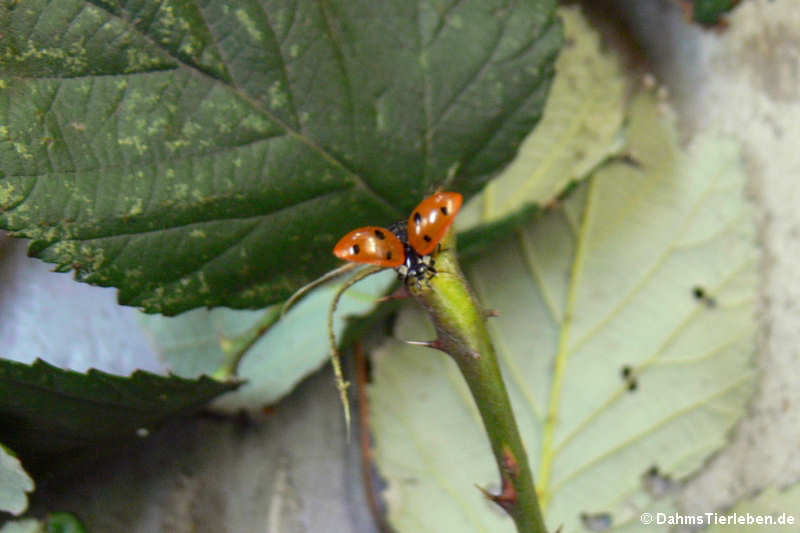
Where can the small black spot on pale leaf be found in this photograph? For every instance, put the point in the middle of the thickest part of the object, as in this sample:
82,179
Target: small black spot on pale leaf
596,521
656,483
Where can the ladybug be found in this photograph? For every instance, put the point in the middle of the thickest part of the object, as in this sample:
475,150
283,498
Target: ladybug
405,246
431,219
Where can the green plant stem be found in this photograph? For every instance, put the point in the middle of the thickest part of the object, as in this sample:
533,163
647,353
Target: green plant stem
460,324
235,348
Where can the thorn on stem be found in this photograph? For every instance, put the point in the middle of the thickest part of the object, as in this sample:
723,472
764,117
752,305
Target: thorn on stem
435,344
510,464
507,498
400,294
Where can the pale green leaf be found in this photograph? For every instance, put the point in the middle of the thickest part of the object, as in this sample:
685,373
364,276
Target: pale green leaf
193,343
580,127
626,336
14,483
772,505
28,525
55,523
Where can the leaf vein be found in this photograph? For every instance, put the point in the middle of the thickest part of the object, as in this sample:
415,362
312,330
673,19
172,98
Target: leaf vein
640,283
561,356
743,380
471,79
357,179
284,72
647,362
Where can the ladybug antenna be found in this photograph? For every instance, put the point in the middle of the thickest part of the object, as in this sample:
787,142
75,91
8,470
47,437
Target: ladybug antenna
299,293
341,384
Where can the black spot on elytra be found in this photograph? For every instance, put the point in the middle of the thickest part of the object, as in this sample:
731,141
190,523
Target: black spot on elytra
388,255
443,209
417,218
356,249
427,238
379,234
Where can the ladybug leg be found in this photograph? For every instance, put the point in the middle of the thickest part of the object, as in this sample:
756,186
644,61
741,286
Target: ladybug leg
402,272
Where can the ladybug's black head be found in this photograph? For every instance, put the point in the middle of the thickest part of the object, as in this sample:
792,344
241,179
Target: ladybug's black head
416,267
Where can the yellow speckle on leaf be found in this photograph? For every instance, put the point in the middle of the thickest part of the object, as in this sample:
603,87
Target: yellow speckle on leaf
277,96
191,128
22,150
6,193
248,24
136,142
188,49
175,145
203,284
198,234
255,122
137,208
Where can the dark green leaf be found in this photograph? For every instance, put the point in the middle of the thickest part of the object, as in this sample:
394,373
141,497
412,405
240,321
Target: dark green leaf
710,12
64,523
46,409
203,153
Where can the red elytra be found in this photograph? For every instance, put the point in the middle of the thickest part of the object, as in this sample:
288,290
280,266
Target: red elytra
428,223
372,245
431,219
